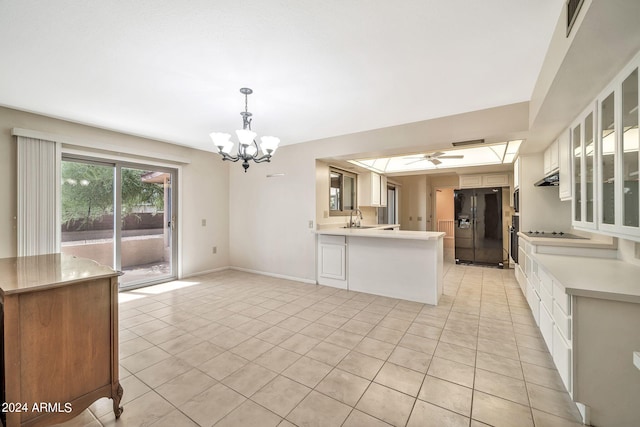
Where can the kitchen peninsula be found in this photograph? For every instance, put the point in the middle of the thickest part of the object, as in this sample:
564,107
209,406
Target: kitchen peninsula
393,263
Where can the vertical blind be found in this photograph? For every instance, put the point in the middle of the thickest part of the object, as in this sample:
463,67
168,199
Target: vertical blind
38,196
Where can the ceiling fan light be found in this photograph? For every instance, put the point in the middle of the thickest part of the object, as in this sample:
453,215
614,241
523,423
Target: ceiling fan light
246,136
269,144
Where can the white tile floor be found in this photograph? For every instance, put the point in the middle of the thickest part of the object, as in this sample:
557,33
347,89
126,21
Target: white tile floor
236,349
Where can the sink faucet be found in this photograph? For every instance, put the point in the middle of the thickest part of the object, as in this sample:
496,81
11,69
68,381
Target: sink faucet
351,223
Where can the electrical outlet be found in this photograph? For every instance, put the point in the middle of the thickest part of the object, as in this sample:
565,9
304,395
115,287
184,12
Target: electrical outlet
204,222
214,250
326,214
310,223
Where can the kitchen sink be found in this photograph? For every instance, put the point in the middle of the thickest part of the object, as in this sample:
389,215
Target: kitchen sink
362,227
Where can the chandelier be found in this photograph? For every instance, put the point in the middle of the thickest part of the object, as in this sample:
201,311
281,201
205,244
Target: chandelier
247,148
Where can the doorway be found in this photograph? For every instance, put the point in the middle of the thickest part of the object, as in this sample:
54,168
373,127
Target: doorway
389,213
445,220
121,215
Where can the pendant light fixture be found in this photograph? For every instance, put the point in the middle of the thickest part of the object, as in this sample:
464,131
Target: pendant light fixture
247,147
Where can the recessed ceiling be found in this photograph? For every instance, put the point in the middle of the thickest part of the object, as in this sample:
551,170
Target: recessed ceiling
171,70
493,154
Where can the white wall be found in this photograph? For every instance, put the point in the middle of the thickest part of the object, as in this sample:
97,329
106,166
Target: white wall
204,184
415,202
540,207
269,217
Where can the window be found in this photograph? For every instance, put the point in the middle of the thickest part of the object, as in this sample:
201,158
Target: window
342,192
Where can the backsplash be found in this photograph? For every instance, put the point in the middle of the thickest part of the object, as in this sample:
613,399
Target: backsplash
369,217
629,251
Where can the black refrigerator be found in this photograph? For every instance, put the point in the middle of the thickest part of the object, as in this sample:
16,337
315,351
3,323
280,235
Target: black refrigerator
478,226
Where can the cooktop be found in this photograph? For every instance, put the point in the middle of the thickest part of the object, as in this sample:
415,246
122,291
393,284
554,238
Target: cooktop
553,234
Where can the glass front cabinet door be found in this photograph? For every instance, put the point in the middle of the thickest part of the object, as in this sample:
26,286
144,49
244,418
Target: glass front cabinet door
619,158
629,135
583,152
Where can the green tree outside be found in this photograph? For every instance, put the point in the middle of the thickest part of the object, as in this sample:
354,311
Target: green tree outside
88,193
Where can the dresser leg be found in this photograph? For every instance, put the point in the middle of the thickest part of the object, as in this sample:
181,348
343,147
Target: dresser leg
117,397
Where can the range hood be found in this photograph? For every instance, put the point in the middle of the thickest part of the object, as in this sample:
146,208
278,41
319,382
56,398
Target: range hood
553,179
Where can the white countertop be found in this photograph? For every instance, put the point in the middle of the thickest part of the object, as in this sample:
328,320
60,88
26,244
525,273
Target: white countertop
380,232
605,243
603,278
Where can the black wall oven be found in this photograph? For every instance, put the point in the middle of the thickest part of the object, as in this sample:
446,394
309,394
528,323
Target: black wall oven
516,200
513,235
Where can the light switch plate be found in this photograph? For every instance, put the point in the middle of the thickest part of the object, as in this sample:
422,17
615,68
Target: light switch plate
204,222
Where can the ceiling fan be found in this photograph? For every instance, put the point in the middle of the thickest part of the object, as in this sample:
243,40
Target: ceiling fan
434,157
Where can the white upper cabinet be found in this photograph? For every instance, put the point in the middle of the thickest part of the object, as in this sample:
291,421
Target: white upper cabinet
605,160
564,164
618,142
583,154
629,142
516,173
551,158
383,191
484,181
373,189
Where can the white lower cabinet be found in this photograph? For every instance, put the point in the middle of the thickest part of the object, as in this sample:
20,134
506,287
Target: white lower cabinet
551,309
546,326
562,357
534,303
562,321
332,261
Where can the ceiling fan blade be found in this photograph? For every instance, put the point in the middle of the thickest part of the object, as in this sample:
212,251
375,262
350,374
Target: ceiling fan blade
458,156
437,154
435,161
415,157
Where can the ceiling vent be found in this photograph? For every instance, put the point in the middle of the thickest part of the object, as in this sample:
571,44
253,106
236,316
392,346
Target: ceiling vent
472,142
573,8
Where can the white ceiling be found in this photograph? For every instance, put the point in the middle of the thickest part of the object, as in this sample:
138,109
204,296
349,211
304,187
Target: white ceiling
171,69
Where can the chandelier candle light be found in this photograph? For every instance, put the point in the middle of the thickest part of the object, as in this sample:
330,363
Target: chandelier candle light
247,148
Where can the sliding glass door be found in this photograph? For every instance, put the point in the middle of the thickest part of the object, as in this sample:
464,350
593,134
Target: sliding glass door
121,215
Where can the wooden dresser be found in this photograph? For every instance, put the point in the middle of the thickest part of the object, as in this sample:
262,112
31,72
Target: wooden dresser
59,323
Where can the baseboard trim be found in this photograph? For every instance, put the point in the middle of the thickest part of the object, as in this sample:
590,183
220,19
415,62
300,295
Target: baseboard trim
200,273
278,276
